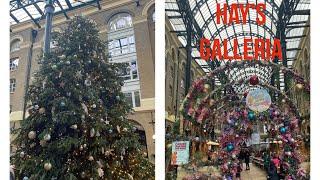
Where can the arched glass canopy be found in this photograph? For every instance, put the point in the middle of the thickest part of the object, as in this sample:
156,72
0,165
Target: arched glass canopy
285,20
33,10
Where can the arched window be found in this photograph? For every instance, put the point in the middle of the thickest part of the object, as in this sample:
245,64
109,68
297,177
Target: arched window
120,21
15,45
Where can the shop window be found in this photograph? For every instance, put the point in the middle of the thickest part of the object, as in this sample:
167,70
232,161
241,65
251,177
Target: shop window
14,62
12,85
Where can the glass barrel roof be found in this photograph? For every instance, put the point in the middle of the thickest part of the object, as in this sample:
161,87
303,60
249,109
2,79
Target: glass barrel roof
33,10
203,12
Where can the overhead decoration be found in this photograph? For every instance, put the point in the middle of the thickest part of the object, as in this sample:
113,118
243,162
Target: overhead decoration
258,100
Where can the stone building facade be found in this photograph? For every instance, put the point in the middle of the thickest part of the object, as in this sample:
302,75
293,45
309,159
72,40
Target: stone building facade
302,100
128,28
175,57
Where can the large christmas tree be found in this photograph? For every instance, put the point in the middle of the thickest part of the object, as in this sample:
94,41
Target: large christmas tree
77,126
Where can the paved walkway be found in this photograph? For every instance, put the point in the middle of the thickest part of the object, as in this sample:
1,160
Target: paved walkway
255,173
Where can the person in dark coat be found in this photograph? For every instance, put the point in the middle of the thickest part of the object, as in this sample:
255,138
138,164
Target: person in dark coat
272,172
247,159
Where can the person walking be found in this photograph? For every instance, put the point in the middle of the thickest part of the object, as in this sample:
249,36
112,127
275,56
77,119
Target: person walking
272,172
247,159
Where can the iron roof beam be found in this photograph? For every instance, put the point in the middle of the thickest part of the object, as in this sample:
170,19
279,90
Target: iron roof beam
14,18
35,22
62,9
295,37
301,12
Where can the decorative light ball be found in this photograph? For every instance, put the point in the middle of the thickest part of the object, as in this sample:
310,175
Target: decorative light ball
234,156
47,137
197,138
283,100
251,116
84,145
288,153
81,148
36,106
292,140
32,135
94,105
75,126
283,130
25,178
62,104
254,80
42,110
90,158
68,62
299,86
22,154
230,147
47,166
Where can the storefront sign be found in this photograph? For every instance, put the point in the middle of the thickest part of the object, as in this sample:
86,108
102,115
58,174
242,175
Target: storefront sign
180,152
258,100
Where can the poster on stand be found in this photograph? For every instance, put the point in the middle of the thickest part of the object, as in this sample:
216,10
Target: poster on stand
180,152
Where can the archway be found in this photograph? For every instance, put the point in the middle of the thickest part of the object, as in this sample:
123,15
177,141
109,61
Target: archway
207,106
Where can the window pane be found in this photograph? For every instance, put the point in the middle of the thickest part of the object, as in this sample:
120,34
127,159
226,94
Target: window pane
124,41
15,45
134,70
14,64
129,98
12,85
131,39
137,98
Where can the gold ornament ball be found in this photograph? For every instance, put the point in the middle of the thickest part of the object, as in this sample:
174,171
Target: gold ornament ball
81,148
90,158
32,135
83,175
211,102
42,110
299,86
47,166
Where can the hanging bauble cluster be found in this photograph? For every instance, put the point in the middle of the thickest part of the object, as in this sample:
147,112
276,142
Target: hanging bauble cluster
254,80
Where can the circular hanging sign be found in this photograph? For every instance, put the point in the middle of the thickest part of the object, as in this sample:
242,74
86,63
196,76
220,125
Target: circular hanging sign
258,100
